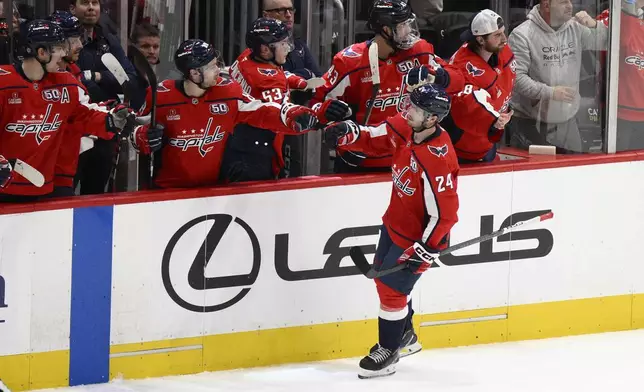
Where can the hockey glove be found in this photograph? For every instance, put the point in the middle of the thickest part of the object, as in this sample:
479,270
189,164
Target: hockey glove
341,134
118,117
422,75
419,257
298,118
109,104
147,139
332,110
6,172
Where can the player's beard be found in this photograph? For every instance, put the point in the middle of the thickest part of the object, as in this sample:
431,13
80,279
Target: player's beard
493,49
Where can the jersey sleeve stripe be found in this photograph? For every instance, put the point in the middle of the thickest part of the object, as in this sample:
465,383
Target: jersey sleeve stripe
431,204
485,104
255,105
342,84
377,131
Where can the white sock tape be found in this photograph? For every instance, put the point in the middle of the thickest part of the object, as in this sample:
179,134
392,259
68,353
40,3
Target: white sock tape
394,315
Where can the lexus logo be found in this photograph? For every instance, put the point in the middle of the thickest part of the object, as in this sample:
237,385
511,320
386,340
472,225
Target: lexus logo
202,257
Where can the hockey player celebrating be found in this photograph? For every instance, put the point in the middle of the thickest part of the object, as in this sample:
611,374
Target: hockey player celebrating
35,106
67,161
196,115
421,213
480,112
400,50
253,153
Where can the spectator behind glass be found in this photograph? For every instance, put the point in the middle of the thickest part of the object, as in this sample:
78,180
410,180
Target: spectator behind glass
300,61
548,48
630,101
7,31
147,39
95,165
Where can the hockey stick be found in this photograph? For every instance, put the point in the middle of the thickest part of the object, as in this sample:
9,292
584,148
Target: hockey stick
359,259
30,173
116,69
143,67
375,79
3,388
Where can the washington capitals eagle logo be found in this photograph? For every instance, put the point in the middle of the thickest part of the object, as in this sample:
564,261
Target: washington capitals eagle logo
349,52
438,151
472,70
267,72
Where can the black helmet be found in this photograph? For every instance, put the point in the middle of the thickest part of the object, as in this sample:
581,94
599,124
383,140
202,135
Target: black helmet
388,13
40,34
193,54
432,99
68,22
265,31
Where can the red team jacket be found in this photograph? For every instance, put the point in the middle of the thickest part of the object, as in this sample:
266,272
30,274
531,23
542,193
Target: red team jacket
630,102
196,129
268,83
33,116
349,79
424,199
475,109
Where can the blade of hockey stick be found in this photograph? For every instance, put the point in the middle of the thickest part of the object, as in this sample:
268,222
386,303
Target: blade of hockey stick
116,69
143,67
28,172
314,83
359,259
375,79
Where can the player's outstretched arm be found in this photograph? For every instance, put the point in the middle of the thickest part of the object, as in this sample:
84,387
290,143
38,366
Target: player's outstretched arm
448,77
286,118
361,138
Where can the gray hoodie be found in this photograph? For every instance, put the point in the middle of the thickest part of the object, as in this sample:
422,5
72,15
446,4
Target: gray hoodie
547,58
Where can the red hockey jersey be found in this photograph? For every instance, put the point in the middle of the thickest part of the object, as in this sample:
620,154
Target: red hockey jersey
268,83
67,161
424,199
487,93
196,129
349,79
33,116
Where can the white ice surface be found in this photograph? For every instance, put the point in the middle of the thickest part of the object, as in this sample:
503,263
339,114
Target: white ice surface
603,362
